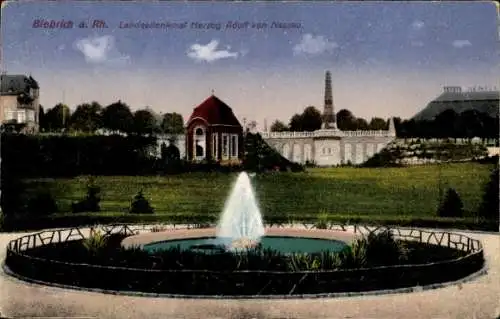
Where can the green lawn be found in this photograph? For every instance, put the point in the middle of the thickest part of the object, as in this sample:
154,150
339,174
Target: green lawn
354,192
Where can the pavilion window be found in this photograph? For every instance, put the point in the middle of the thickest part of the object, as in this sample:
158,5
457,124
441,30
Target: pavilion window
234,146
214,145
225,145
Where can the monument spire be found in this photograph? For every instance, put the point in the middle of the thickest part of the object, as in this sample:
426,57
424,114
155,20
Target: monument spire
329,121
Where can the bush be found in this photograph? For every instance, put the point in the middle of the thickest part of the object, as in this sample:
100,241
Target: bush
322,220
95,243
385,158
451,205
383,250
91,202
489,207
140,205
42,204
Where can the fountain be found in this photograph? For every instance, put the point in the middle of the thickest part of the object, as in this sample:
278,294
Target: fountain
241,221
241,228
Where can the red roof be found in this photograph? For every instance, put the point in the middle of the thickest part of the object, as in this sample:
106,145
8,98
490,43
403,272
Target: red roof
214,111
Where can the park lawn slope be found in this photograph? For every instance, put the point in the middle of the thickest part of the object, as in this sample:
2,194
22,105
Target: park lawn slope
395,193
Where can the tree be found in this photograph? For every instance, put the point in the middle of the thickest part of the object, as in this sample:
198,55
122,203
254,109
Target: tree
451,205
251,126
397,123
172,123
346,120
361,124
117,117
140,205
91,202
311,119
144,122
87,117
445,124
278,126
58,117
470,124
489,206
41,119
296,123
378,124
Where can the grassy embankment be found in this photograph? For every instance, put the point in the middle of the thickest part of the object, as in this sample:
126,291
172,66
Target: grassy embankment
386,195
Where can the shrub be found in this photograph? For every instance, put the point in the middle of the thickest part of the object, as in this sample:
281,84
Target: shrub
355,255
451,205
382,249
140,205
91,201
43,204
377,249
322,220
95,243
489,207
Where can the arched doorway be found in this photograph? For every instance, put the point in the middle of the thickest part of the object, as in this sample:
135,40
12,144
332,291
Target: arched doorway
307,153
199,150
286,151
297,154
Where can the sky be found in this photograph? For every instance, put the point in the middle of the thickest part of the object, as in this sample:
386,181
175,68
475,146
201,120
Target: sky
266,60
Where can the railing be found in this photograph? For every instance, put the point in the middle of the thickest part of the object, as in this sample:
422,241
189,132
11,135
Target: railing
255,282
326,133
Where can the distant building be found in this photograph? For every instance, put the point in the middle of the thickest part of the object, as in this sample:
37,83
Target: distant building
330,146
214,133
454,97
19,103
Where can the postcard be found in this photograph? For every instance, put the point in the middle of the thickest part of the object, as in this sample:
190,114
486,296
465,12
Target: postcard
249,159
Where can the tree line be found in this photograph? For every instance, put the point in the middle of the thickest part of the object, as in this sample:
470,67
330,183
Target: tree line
467,124
311,119
90,117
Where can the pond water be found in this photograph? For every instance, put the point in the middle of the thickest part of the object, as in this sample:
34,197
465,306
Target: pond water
283,244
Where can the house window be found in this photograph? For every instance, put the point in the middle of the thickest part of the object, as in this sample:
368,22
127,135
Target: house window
10,115
214,145
329,151
30,115
225,145
199,143
234,144
21,116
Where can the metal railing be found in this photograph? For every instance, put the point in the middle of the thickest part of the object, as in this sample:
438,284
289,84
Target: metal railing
255,282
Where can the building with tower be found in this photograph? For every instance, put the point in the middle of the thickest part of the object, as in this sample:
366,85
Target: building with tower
330,146
214,134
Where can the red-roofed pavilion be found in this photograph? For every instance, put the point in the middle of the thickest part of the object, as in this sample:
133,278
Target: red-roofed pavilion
214,133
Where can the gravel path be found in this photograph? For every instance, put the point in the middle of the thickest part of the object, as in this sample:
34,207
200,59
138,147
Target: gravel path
479,298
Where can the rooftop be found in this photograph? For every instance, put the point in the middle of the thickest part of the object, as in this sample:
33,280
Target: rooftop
215,111
16,84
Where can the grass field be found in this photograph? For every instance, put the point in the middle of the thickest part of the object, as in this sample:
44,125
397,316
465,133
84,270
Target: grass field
404,193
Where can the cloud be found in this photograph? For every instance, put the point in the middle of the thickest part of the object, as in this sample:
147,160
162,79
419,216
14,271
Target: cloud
313,45
461,43
209,52
417,43
417,25
100,50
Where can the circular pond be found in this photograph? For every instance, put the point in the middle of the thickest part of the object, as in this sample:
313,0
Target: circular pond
282,244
